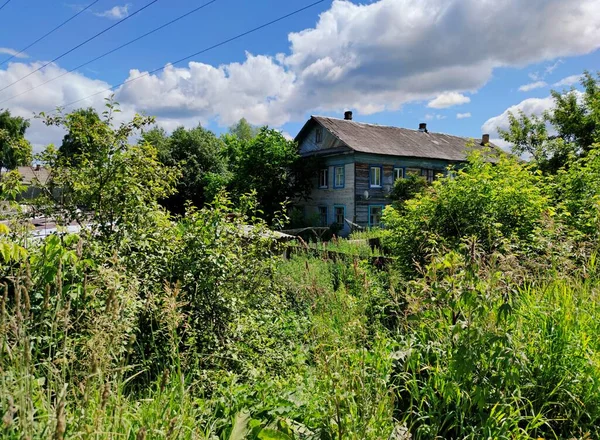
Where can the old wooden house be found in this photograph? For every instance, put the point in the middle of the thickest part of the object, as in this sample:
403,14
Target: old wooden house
362,161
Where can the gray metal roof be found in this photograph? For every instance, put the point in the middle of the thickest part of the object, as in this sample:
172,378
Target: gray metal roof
395,141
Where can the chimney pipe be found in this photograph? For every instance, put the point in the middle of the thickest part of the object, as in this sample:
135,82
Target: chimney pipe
485,139
348,116
423,127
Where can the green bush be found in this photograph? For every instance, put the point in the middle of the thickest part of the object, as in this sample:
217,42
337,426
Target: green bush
493,198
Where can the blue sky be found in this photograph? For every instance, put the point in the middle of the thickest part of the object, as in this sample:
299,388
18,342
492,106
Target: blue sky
456,64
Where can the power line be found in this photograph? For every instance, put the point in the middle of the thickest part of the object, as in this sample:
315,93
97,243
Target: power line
222,43
113,50
47,34
5,3
80,44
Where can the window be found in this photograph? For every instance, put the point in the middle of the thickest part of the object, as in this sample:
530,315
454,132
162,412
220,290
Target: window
324,178
323,216
375,177
429,174
339,215
398,173
339,177
416,171
319,135
375,213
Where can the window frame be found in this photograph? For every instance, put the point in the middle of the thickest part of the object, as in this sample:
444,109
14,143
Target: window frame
343,223
382,207
321,224
380,167
326,171
335,184
425,173
403,176
319,135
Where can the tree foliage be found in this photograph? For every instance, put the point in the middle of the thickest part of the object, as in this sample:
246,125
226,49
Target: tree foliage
243,130
574,123
270,166
114,185
15,150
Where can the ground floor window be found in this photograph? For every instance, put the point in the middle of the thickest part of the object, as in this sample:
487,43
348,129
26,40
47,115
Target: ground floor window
339,215
323,216
375,213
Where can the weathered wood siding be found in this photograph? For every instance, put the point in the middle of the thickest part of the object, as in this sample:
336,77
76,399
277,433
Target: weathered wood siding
309,144
331,197
378,196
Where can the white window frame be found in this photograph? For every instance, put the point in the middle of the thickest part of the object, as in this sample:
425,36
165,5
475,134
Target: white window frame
324,178
371,224
379,174
340,184
400,171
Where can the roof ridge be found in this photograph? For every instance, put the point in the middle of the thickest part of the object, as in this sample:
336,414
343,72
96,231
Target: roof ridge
392,126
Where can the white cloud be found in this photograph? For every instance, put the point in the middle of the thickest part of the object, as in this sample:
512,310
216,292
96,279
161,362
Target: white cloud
365,57
463,115
448,99
69,88
531,86
12,52
531,106
115,13
568,81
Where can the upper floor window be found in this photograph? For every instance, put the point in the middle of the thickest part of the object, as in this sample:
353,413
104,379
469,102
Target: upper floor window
398,173
324,178
339,177
429,174
375,177
319,135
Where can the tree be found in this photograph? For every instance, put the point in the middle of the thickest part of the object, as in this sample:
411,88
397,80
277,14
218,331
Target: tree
574,122
243,130
201,157
269,164
115,186
407,188
159,139
86,130
15,150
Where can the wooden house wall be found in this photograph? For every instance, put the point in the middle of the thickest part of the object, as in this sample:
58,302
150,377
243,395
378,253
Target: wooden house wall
378,196
309,144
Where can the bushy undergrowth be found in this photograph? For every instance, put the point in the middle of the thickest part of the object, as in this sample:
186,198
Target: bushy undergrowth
485,324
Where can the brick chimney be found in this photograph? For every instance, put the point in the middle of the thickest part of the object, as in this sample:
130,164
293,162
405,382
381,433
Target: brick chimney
423,127
348,116
485,139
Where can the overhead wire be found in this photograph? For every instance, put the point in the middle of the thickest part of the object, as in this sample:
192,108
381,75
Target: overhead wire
113,50
50,32
4,4
214,46
80,44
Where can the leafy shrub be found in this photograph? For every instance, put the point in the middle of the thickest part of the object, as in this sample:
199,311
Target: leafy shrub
491,200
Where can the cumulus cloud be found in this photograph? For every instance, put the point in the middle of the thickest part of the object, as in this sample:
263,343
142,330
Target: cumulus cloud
568,81
531,106
448,99
12,52
69,88
115,13
367,57
533,85
463,115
